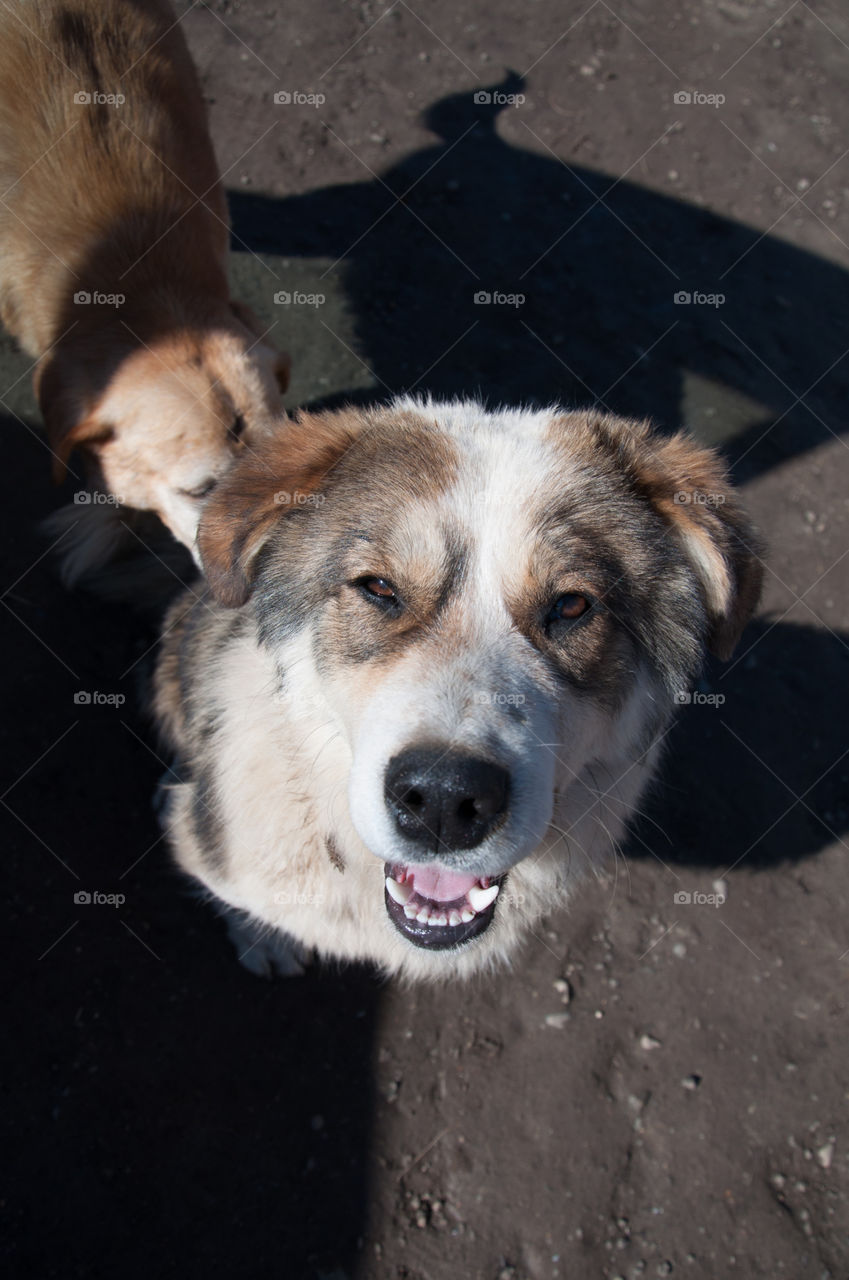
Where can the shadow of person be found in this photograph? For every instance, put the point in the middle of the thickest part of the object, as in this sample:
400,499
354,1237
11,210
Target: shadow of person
598,265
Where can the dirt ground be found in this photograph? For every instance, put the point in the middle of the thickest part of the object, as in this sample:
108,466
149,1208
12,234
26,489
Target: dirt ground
659,1086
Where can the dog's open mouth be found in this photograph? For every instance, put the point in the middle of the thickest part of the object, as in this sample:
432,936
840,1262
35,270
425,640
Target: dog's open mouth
435,908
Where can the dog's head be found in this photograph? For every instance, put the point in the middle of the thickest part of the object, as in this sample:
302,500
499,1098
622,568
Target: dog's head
486,607
161,421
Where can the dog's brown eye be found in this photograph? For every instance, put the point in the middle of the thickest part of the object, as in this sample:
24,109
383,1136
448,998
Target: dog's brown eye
202,490
237,428
379,590
568,607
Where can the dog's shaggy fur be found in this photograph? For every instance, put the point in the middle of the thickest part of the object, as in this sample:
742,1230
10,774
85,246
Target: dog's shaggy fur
109,189
521,594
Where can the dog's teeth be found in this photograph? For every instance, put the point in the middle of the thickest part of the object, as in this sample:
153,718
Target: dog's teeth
481,898
467,914
400,892
410,910
440,919
454,917
423,914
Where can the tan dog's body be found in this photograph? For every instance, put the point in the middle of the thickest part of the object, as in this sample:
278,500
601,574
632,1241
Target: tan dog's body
430,681
121,199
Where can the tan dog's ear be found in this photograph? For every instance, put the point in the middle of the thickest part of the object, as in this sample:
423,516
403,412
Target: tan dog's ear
67,409
268,483
689,486
282,363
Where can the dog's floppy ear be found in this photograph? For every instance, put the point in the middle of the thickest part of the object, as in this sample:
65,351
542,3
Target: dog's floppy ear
282,361
689,486
68,409
268,484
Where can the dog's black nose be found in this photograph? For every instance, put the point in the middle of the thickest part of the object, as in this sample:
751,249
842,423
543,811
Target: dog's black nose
445,800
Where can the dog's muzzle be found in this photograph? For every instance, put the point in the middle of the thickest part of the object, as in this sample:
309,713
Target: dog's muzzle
442,803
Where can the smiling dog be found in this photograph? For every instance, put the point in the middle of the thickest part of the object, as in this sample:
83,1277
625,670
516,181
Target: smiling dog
429,682
113,258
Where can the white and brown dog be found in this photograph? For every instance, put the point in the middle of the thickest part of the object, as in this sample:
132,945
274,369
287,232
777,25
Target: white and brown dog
426,688
113,259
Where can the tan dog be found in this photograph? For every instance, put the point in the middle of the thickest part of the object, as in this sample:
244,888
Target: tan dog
434,671
113,254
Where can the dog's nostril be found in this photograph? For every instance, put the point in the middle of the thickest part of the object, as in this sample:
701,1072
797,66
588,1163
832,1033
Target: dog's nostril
467,810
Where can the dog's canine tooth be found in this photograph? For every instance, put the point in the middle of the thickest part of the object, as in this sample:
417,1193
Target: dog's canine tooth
481,898
400,892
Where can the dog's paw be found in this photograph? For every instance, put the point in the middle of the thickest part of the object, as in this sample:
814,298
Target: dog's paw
264,951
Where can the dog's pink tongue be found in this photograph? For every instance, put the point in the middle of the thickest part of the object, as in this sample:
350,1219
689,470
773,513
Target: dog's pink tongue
440,885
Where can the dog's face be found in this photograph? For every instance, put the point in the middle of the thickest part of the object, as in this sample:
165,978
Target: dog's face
484,607
169,420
